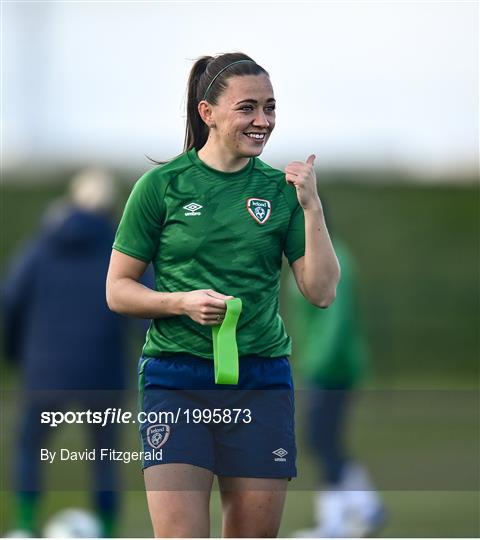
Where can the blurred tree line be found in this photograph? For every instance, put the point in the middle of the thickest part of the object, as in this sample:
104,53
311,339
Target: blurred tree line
417,250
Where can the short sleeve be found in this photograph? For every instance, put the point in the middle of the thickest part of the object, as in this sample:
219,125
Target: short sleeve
295,239
139,230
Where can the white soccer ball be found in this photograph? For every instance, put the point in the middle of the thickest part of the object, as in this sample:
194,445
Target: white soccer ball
73,523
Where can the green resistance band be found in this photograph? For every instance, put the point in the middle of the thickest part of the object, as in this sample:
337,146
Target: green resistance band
225,351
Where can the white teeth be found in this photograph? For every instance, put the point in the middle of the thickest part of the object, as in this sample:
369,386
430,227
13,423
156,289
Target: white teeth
256,135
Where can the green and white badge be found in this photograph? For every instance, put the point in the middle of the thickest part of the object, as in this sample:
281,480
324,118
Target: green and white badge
259,209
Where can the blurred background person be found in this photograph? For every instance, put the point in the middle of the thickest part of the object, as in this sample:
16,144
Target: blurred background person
333,358
59,329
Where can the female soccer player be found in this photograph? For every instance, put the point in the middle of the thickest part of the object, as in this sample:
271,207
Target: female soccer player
215,222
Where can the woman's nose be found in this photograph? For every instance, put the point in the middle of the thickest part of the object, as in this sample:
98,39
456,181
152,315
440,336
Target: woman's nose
261,119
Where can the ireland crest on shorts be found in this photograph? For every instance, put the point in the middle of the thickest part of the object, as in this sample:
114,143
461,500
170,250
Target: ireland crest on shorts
157,435
259,209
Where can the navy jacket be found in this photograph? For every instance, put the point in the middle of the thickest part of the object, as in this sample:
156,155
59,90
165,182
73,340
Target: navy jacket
57,322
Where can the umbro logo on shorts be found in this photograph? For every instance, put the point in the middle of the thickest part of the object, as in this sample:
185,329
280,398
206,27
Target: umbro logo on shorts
259,209
280,453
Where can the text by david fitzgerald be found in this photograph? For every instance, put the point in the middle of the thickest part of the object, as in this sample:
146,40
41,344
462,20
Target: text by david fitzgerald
102,454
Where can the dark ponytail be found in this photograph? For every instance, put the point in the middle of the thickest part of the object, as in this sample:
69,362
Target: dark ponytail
211,73
196,131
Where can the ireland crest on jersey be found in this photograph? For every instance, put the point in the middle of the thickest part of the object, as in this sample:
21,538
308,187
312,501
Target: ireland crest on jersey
259,209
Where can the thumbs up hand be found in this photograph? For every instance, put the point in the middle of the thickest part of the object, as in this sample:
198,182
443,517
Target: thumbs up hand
301,175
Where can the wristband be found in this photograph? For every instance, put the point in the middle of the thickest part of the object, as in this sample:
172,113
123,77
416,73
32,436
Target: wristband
225,350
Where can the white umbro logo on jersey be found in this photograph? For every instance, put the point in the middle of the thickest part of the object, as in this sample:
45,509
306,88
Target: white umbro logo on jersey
193,209
280,453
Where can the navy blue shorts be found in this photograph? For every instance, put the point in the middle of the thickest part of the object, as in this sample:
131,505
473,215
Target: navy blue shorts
246,430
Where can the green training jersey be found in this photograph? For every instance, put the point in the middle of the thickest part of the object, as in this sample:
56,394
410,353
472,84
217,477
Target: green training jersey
207,229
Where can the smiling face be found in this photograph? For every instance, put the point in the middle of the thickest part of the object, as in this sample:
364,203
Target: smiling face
243,117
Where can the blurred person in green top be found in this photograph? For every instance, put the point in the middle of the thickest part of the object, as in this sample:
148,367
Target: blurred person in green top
332,355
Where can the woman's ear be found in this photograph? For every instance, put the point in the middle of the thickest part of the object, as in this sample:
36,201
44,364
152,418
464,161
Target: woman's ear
206,113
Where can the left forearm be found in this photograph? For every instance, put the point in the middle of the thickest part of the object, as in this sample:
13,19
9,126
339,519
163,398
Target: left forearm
321,271
318,272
